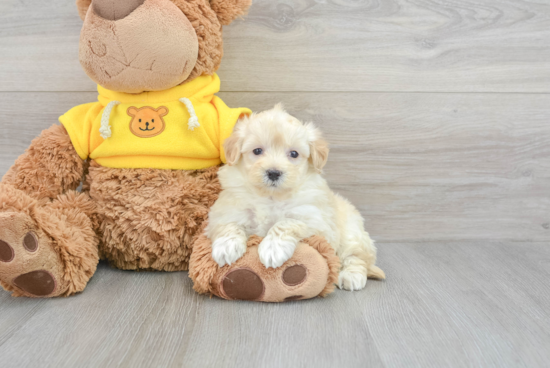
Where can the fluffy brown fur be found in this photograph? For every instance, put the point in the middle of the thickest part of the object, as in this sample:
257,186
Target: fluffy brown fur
41,186
229,10
49,167
68,244
209,32
146,218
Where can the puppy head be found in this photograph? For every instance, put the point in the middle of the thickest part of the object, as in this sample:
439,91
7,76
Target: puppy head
275,151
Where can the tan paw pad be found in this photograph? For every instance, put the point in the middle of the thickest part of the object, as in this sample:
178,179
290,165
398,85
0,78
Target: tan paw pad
304,276
6,252
29,266
243,284
37,283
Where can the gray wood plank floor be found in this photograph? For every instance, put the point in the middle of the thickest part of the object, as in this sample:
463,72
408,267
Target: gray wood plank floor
444,304
438,114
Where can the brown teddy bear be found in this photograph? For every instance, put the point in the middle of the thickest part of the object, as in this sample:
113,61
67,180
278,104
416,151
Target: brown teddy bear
147,153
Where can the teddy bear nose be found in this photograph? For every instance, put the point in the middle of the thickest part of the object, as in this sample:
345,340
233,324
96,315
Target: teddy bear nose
115,9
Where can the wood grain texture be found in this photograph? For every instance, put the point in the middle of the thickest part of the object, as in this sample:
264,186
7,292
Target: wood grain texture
454,186
453,304
320,45
419,167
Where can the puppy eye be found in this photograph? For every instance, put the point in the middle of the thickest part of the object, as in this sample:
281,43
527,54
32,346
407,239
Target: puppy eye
258,151
294,154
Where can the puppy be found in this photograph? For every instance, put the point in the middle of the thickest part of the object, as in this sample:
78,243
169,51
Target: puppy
272,187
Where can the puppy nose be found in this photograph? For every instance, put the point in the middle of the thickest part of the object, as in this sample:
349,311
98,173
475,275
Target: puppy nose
115,9
274,174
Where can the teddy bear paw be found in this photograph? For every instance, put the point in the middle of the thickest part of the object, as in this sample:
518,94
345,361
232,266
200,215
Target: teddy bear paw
303,276
28,264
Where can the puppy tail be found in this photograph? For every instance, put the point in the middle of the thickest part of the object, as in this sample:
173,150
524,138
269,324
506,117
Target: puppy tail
376,273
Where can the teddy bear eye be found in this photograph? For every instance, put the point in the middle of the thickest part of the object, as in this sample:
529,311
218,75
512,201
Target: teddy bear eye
140,120
294,154
153,120
258,151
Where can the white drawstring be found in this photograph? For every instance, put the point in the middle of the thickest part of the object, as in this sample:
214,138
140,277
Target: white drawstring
105,129
193,119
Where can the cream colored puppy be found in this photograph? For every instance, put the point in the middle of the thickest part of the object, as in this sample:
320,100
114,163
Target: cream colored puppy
272,187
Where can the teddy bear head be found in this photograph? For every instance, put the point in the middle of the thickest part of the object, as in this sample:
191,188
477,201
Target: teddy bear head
152,45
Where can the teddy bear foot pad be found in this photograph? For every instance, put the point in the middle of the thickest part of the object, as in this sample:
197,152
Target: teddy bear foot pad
311,272
28,264
245,284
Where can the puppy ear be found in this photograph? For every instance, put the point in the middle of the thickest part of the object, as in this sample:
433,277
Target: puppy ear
232,148
318,148
229,10
83,6
279,107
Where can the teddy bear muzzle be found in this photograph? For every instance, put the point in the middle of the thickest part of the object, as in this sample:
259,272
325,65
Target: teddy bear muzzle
134,46
115,9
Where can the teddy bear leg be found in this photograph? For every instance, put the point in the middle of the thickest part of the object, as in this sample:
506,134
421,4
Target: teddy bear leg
312,271
46,250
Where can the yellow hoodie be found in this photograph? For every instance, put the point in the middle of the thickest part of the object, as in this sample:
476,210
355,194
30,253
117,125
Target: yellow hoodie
182,128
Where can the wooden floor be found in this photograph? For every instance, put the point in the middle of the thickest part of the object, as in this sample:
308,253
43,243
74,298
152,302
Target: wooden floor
438,114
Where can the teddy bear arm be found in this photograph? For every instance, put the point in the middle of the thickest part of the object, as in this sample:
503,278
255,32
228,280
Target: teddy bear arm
49,167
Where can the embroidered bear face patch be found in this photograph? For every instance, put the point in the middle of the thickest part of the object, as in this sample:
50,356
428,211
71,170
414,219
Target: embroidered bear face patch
147,122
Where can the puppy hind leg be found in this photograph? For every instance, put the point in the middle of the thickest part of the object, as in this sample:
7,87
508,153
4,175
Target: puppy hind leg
357,251
356,255
353,275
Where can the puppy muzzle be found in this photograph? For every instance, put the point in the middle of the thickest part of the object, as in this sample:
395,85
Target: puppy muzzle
273,177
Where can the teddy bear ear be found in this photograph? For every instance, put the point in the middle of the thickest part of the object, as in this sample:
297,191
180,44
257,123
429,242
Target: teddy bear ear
162,111
132,111
229,10
83,6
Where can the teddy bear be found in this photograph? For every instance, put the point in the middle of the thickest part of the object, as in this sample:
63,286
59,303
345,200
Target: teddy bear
146,155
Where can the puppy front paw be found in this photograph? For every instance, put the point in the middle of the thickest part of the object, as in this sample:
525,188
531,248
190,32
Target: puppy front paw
274,251
228,249
352,281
